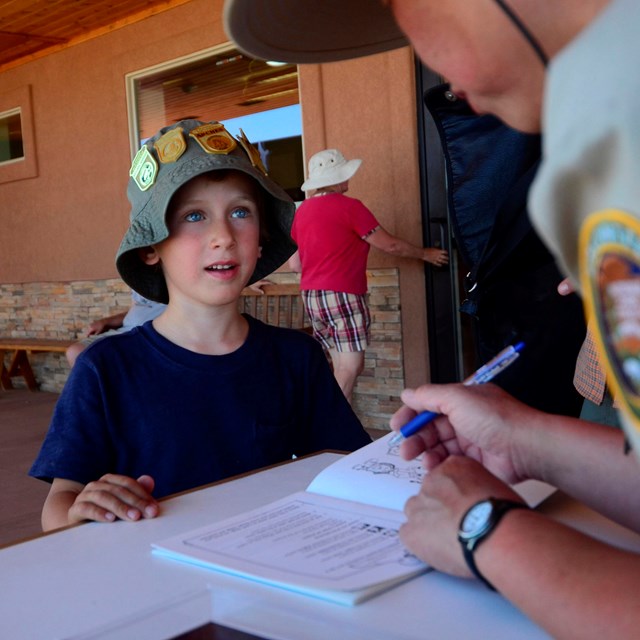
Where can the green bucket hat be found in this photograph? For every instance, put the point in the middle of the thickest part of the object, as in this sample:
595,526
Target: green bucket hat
164,163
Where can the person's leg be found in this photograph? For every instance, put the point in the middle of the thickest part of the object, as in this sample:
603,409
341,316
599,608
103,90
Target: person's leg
350,325
341,323
347,366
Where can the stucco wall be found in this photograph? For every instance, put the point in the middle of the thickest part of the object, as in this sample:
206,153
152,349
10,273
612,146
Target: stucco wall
367,108
65,224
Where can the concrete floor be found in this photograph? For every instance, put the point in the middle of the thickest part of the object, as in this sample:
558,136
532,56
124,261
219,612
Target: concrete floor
24,419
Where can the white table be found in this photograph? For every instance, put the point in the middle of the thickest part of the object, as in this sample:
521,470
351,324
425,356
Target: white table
101,581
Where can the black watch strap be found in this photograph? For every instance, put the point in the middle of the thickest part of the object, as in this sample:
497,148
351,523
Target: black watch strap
500,507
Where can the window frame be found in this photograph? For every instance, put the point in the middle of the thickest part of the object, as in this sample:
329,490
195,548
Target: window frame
132,77
294,175
5,115
12,101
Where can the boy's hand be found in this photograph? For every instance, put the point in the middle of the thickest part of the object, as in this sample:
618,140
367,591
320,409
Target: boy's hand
115,497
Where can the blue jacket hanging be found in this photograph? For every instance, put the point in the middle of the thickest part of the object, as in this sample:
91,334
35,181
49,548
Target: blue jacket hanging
512,278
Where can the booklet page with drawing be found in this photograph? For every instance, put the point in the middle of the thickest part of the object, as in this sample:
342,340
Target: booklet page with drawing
337,540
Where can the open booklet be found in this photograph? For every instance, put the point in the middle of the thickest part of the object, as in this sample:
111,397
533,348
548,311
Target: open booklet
338,540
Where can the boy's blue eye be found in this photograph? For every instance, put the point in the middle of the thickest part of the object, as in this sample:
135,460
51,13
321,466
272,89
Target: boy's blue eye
239,213
194,216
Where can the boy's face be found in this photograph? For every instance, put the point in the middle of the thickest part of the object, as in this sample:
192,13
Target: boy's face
213,243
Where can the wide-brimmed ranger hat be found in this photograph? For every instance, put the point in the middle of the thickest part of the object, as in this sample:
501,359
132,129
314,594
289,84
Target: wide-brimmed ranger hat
329,167
309,31
164,163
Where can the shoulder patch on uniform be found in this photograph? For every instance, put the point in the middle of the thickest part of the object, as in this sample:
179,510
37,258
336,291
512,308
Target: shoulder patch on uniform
610,273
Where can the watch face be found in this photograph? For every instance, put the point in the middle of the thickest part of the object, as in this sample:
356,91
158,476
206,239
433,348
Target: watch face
477,518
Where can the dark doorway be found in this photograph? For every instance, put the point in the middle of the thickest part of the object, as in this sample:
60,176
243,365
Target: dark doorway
448,333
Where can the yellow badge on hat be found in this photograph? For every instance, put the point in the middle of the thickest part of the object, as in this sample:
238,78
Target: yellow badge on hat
252,152
144,168
610,273
214,138
171,145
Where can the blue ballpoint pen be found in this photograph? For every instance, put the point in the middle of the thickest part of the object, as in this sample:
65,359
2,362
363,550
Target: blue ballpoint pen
484,374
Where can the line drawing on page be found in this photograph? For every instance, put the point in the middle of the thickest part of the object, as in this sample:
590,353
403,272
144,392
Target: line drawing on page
413,474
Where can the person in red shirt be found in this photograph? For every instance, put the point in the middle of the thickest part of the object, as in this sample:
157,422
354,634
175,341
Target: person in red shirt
334,233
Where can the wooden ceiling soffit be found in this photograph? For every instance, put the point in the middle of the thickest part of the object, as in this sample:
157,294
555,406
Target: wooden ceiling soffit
38,28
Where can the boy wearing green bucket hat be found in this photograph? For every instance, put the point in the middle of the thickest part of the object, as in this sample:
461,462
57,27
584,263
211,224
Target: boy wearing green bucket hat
202,392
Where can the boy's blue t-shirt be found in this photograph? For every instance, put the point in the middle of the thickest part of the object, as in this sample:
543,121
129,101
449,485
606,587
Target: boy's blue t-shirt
138,404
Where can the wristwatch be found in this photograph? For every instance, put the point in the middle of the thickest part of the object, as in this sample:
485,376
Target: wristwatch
478,523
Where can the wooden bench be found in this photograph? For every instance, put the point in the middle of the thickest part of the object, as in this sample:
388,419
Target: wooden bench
280,305
20,366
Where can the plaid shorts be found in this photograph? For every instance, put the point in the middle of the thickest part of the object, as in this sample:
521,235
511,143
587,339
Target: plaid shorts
340,321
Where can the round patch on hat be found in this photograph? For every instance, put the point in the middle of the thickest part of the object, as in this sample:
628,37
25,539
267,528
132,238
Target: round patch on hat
610,268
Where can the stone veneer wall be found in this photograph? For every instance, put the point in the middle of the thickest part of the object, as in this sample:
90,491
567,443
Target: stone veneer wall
63,310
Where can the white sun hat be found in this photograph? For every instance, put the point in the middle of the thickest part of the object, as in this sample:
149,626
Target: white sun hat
329,167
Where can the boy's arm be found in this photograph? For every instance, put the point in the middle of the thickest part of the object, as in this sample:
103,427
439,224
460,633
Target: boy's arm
55,512
110,498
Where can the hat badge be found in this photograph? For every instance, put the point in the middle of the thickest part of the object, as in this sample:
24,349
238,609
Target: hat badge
144,168
170,146
252,152
214,138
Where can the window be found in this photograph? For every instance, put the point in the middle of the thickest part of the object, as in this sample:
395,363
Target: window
226,85
17,142
11,147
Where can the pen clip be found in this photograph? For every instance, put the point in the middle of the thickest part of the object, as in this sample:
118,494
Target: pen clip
492,368
487,373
